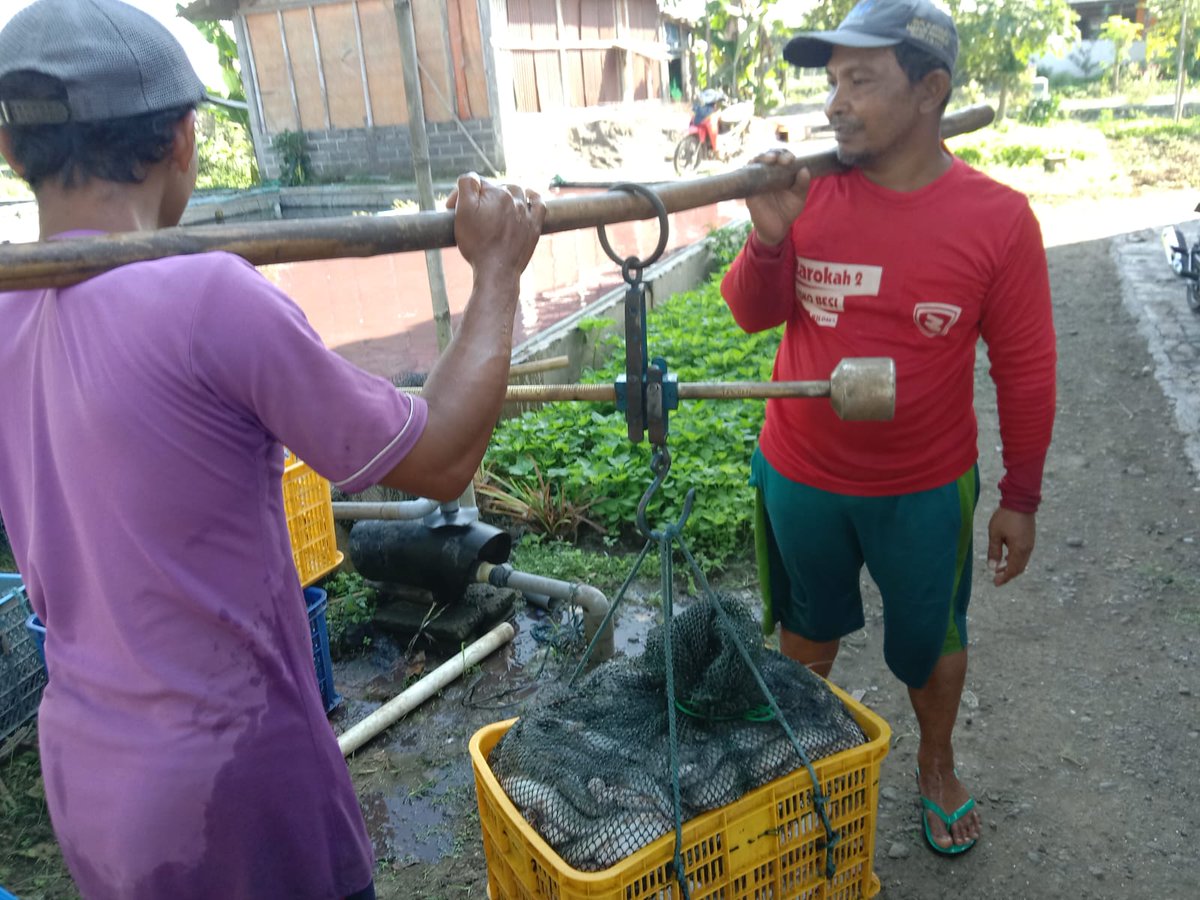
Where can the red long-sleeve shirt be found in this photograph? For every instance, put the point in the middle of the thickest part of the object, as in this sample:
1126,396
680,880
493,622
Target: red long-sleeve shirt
919,277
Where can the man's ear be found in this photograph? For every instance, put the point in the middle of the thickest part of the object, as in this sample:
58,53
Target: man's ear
935,87
6,150
184,146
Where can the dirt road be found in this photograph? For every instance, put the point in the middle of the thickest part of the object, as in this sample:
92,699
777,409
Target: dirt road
1081,730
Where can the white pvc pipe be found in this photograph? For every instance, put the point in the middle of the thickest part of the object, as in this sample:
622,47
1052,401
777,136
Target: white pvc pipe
409,699
591,600
399,509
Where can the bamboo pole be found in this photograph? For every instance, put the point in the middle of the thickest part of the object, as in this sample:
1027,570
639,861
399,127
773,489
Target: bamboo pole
58,263
419,144
537,366
689,390
859,389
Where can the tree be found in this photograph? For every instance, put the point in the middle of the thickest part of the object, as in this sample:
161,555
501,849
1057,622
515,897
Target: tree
741,49
226,147
828,14
1120,32
1173,41
227,56
998,38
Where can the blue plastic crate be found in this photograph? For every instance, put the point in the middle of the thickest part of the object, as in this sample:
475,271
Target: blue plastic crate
22,673
35,635
35,627
317,601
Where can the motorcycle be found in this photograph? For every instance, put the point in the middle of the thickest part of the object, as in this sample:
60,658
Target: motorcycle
716,131
1184,260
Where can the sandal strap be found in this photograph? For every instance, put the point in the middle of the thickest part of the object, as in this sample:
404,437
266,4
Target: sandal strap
951,818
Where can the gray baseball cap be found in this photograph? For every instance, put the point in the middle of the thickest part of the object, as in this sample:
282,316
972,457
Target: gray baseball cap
880,23
115,61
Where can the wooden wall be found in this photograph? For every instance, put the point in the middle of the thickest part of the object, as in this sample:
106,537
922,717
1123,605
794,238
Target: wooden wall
576,53
336,63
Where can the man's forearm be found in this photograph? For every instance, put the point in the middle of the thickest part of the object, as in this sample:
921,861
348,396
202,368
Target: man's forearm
464,392
757,285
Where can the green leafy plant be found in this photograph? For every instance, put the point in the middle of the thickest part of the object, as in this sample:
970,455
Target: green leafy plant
351,608
603,568
586,450
295,165
725,243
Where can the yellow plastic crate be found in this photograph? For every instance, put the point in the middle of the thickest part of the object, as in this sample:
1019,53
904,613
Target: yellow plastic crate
769,843
309,507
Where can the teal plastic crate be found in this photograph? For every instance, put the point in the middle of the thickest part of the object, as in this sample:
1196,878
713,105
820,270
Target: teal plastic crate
22,674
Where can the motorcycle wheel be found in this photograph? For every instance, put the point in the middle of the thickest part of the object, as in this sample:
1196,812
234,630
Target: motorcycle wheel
1193,285
688,154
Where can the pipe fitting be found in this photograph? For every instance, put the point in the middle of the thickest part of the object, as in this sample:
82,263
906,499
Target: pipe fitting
591,600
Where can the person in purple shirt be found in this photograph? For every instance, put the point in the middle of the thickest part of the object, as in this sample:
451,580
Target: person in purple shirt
184,748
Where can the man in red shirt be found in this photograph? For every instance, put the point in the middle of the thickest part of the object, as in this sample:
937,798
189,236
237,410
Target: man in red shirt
909,254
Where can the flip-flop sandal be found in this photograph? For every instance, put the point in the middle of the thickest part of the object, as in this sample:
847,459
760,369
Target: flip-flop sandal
928,805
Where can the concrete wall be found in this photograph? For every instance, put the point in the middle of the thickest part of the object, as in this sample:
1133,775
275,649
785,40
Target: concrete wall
1094,56
385,150
684,271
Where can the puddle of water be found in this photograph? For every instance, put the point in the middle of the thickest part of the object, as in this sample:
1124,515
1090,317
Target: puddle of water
411,818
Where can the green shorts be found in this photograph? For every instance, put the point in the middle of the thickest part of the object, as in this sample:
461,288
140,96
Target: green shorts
812,545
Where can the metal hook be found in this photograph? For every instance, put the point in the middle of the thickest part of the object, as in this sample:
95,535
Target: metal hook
660,465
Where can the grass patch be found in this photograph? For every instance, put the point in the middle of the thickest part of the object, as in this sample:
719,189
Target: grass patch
1157,154
604,569
31,864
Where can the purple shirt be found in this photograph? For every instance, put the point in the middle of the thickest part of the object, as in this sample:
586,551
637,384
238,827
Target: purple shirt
184,747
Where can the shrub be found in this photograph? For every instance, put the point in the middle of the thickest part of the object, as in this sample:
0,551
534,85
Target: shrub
725,243
1017,155
972,156
547,508
7,563
295,165
349,613
1041,110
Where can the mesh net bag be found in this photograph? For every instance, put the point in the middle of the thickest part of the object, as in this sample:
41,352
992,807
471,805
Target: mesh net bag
590,767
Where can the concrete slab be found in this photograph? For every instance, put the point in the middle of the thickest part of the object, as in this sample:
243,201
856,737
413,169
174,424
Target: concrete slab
406,611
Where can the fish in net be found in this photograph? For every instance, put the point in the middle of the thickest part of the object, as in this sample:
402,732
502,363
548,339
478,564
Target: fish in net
590,766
